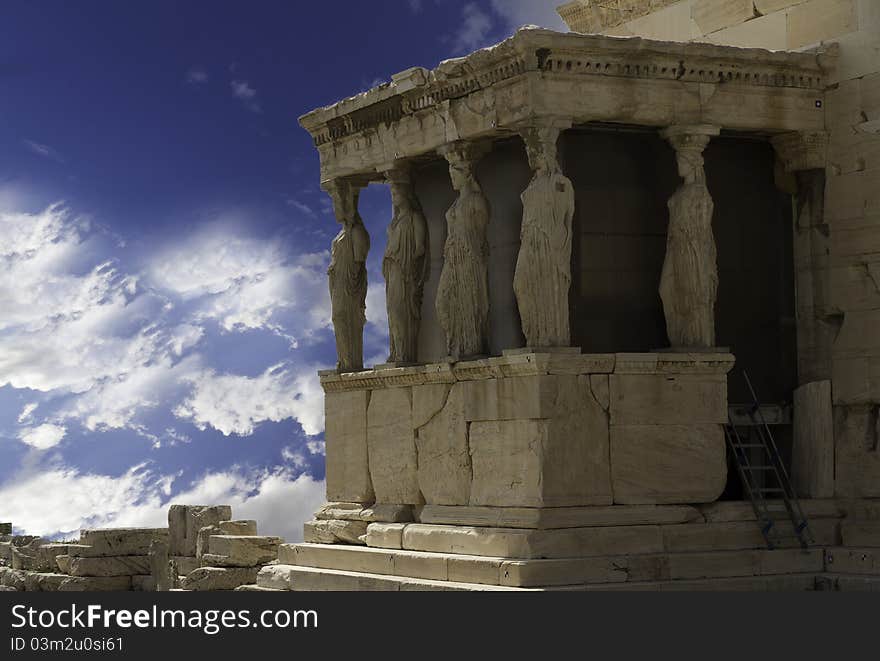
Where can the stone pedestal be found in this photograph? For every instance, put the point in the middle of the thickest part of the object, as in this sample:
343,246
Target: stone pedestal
534,430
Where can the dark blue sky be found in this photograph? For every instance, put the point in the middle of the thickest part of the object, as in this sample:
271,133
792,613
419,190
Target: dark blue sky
161,327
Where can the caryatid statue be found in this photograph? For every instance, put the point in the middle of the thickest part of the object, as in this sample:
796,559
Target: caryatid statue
463,292
404,267
689,283
543,269
348,276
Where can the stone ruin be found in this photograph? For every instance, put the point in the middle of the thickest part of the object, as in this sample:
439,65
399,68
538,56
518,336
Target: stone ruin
589,232
202,549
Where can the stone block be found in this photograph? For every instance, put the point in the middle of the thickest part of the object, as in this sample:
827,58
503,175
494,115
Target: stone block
128,565
348,472
160,568
335,532
713,15
370,514
275,577
857,460
667,464
556,462
209,579
559,517
821,20
652,399
13,578
203,539
385,535
526,397
95,584
46,556
765,7
853,561
121,541
672,23
393,459
727,511
441,437
43,582
181,566
860,534
6,551
143,584
813,449
242,528
5,528
513,543
198,517
240,551
63,563
770,32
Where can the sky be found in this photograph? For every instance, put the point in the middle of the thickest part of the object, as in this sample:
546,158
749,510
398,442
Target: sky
164,246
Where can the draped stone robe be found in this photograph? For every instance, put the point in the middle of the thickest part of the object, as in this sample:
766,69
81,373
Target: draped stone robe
463,291
348,293
404,270
543,269
689,282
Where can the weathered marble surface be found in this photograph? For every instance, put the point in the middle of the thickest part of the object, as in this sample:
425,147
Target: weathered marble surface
543,269
348,276
463,293
689,282
404,267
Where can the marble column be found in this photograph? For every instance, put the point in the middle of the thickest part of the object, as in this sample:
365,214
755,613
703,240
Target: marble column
463,293
543,269
689,282
348,276
803,155
404,267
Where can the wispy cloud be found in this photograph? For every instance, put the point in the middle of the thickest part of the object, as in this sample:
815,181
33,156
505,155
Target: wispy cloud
242,90
197,75
234,404
43,437
63,500
43,150
474,31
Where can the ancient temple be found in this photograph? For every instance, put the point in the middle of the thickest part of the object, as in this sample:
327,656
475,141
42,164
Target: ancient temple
593,237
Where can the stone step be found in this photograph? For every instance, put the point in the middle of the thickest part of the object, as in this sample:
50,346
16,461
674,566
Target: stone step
540,573
306,579
849,583
865,561
593,541
310,579
558,517
860,533
783,583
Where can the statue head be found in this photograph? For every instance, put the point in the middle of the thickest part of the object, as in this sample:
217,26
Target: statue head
461,169
345,200
691,165
400,182
541,149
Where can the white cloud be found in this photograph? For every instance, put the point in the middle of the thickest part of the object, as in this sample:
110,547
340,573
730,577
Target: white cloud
530,12
474,31
234,404
68,323
63,500
43,437
243,283
26,412
242,90
43,150
197,76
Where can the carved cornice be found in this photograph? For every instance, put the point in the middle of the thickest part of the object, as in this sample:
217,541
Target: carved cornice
530,365
417,91
800,151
